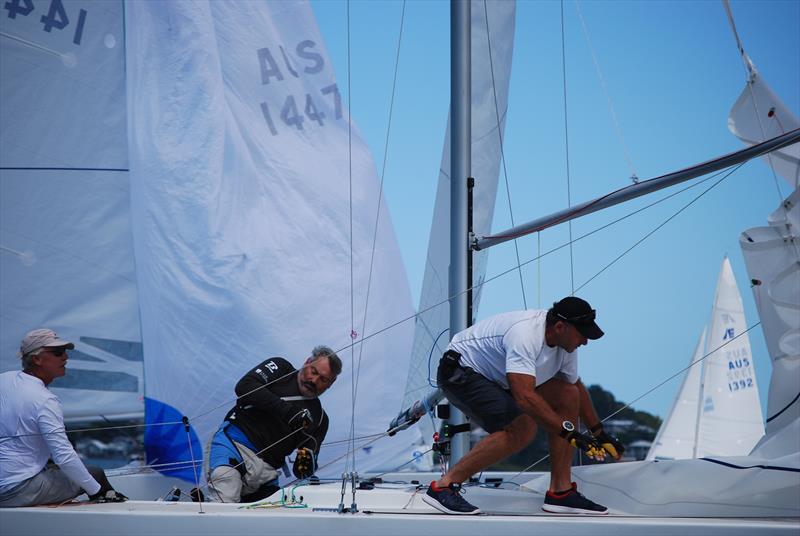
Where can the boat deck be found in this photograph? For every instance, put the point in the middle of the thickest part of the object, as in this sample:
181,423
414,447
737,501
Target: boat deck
388,509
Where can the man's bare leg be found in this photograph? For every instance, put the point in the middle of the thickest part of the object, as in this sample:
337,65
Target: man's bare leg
563,398
492,448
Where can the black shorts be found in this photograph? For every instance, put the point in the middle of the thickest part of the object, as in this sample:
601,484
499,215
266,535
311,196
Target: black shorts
482,400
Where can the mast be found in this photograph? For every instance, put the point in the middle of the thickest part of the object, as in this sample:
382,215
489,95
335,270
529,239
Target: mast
460,170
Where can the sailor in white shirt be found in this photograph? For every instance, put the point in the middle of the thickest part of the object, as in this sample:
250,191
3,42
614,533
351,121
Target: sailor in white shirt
511,373
32,432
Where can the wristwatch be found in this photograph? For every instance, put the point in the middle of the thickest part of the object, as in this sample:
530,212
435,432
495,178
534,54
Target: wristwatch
566,428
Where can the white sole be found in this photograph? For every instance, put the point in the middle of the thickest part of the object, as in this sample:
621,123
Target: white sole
555,509
439,506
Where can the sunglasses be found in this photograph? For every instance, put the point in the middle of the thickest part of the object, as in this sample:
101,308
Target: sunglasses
58,352
580,318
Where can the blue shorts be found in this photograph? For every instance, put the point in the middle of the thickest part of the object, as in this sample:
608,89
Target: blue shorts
483,401
223,451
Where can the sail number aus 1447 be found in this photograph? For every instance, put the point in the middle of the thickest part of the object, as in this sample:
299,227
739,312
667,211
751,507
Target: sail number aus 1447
294,112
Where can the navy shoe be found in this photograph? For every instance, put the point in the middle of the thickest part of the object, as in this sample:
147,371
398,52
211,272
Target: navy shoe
571,502
449,500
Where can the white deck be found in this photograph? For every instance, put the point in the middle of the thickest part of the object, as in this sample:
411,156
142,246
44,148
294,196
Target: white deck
387,509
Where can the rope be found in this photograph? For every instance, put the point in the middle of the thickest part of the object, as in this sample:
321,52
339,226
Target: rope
380,200
566,144
502,150
629,404
659,226
352,283
411,317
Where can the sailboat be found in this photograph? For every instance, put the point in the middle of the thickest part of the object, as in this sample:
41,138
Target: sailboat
717,410
195,77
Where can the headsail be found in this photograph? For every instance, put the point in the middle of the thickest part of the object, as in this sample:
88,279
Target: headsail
490,81
66,252
243,230
772,255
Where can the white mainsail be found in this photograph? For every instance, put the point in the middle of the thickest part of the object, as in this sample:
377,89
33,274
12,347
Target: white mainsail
242,238
66,251
245,234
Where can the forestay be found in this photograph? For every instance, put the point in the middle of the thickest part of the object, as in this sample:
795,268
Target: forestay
241,221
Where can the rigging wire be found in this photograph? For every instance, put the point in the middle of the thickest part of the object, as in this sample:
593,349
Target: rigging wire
659,226
612,112
566,145
751,74
380,197
352,284
502,151
442,302
658,385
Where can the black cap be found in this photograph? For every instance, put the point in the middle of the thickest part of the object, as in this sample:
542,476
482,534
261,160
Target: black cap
580,314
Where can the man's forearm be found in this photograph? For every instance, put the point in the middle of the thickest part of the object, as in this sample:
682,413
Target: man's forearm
587,413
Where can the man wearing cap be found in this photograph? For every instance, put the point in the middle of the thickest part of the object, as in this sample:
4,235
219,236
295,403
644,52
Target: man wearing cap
32,432
509,373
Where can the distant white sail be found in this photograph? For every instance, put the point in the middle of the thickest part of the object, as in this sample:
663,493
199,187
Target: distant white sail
677,436
731,421
242,222
431,336
66,252
717,411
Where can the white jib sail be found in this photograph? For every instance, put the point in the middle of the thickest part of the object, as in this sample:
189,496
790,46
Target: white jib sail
66,251
431,336
677,436
242,221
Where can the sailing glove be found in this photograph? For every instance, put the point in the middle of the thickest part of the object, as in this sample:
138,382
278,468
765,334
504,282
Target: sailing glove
587,444
610,444
110,495
300,420
303,463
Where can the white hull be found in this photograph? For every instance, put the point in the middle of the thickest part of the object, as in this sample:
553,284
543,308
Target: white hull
394,509
387,509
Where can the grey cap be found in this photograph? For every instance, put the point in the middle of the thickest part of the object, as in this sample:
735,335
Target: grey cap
42,338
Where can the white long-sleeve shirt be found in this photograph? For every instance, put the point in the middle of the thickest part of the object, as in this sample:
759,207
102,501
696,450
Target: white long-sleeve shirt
32,431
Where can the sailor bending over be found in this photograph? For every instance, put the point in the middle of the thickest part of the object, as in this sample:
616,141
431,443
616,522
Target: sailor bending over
509,372
277,412
37,462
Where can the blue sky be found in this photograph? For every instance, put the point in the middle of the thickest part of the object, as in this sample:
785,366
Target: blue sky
673,72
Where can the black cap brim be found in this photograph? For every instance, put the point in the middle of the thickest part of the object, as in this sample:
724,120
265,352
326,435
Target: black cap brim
589,330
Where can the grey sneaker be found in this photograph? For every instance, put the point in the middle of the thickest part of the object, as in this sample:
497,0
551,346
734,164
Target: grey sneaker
571,502
449,500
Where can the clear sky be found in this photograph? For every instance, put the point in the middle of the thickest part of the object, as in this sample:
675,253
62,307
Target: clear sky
673,72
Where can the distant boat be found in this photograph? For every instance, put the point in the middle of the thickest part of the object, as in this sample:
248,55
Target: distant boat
717,411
